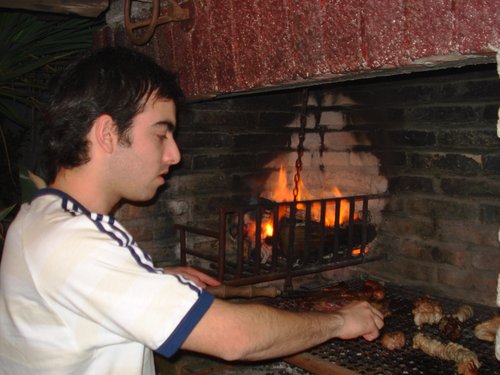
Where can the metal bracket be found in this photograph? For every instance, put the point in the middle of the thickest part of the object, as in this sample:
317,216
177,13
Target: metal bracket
174,12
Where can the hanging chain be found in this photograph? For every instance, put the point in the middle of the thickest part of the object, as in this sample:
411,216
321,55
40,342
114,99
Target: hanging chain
300,146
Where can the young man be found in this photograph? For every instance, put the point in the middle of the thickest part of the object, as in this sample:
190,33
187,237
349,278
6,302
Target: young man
77,294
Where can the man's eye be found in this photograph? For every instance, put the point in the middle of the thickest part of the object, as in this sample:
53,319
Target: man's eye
162,137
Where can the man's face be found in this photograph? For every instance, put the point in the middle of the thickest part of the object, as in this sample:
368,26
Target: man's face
142,165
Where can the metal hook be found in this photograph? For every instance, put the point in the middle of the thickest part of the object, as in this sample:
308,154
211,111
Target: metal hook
175,13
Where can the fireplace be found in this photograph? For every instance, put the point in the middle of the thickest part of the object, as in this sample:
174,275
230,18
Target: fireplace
425,140
299,225
403,101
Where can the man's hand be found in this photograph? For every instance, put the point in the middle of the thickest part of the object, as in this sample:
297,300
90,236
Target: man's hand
360,319
199,278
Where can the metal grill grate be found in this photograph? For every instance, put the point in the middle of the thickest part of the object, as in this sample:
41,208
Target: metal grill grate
371,358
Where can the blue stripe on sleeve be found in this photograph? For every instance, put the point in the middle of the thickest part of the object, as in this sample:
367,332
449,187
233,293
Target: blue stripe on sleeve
179,335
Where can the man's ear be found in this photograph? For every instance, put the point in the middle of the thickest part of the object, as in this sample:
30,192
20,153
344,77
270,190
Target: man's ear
105,133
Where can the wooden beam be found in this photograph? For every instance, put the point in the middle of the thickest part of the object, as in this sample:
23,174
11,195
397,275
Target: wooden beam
317,365
85,8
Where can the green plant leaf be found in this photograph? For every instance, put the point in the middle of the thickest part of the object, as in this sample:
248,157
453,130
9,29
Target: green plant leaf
32,49
4,212
7,111
28,187
29,44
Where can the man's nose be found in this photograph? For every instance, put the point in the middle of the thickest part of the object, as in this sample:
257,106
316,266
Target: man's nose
172,153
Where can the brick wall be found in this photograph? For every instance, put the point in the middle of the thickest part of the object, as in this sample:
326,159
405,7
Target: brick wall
428,138
435,135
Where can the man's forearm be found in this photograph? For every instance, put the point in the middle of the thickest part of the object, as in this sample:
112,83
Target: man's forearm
284,333
253,332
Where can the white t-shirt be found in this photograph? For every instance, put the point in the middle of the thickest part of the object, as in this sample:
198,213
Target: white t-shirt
78,296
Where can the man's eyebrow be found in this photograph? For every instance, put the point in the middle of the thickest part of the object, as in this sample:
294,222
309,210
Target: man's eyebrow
168,124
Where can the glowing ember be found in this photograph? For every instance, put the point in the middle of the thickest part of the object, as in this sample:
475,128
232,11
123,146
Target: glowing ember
358,251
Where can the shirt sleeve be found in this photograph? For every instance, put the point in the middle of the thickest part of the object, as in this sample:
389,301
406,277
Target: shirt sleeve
175,340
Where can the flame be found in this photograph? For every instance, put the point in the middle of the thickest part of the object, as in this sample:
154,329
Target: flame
344,210
283,193
268,229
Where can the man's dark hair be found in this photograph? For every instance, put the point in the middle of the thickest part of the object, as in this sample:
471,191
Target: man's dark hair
113,81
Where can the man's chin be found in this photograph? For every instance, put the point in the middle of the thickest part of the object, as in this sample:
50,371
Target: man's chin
145,197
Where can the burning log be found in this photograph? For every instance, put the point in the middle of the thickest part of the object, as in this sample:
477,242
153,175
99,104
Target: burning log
307,233
313,238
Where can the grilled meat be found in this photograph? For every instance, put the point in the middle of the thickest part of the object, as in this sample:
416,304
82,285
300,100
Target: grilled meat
452,326
487,330
427,311
393,340
466,360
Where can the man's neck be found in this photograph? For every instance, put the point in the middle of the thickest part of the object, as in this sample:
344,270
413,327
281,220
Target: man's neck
83,188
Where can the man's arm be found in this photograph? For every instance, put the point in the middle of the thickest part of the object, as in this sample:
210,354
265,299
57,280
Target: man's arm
253,332
199,278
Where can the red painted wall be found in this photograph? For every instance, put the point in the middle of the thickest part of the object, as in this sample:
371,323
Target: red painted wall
235,45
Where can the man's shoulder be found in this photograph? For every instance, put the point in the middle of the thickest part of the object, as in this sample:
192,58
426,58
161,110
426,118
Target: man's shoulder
49,225
50,213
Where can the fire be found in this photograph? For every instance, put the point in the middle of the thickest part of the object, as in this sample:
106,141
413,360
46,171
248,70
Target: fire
282,193
344,210
268,229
